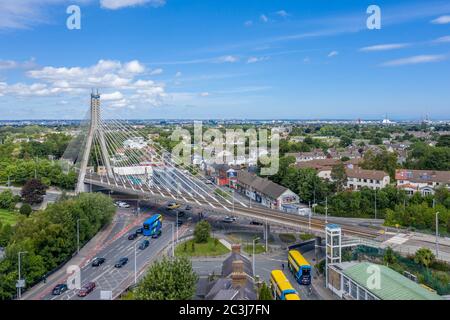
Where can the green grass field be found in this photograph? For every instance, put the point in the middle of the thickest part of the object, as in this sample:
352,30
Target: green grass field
259,248
209,249
8,217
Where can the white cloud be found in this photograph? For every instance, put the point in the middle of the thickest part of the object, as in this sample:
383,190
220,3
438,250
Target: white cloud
229,58
117,95
307,60
118,4
333,54
263,18
385,47
444,39
156,71
178,74
204,94
256,59
414,60
78,81
248,23
282,13
441,20
134,67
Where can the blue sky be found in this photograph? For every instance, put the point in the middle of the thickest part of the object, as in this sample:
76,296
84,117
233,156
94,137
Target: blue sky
265,59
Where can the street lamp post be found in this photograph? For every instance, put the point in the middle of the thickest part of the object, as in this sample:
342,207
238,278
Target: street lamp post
19,285
326,209
173,240
78,235
233,200
437,234
135,262
253,262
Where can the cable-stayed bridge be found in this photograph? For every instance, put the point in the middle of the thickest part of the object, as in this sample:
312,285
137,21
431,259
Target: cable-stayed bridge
117,156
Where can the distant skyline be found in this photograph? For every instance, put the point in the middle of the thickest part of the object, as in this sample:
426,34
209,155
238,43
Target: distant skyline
253,59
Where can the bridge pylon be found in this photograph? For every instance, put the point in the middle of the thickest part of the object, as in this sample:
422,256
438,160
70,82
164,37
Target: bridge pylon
95,127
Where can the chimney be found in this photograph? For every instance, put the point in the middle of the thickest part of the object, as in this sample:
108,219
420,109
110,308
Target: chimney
238,276
236,248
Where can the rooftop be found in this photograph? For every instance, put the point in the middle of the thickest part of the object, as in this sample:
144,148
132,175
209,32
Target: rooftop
393,286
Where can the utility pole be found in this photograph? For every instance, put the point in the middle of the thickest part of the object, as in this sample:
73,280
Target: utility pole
19,284
375,203
267,234
326,209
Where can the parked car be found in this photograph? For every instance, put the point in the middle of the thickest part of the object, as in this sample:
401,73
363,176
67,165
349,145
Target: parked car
98,261
132,236
188,208
86,289
139,231
59,289
121,262
173,205
144,244
180,222
157,234
256,223
181,213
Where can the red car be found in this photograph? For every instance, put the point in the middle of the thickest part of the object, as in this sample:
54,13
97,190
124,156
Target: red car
86,289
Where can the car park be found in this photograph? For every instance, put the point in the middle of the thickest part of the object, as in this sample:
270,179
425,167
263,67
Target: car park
98,262
86,289
144,244
59,289
122,261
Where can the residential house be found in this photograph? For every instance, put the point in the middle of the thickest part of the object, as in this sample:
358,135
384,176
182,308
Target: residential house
374,179
423,181
236,281
324,166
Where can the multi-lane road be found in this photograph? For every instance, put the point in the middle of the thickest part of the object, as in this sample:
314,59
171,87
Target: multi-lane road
112,246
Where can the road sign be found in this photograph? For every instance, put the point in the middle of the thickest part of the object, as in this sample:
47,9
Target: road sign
20,283
105,295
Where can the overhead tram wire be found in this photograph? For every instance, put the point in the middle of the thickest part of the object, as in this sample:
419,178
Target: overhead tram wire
188,180
177,171
138,157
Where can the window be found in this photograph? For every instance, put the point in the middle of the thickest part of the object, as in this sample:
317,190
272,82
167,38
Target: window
346,285
353,290
361,294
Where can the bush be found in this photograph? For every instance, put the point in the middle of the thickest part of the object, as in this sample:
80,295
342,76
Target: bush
25,209
202,232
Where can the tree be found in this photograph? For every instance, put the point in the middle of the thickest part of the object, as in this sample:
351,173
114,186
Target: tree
25,209
389,256
168,280
264,292
339,176
202,232
424,257
7,200
33,191
443,141
345,141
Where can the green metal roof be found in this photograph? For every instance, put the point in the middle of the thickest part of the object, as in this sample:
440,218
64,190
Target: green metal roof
393,285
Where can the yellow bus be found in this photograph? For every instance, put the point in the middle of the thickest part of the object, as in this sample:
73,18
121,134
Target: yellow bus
282,288
300,267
